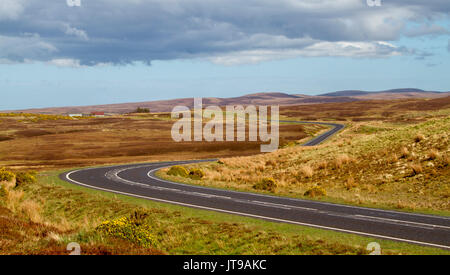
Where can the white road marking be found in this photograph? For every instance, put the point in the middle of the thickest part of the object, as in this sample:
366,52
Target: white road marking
271,205
426,225
290,207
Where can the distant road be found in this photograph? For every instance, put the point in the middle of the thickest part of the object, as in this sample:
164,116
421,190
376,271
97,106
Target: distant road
321,138
139,180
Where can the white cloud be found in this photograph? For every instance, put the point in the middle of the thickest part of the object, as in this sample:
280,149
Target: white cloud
25,47
225,31
65,62
75,32
10,9
378,49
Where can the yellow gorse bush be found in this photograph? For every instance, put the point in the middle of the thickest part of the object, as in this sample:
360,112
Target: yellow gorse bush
6,175
178,170
36,117
128,229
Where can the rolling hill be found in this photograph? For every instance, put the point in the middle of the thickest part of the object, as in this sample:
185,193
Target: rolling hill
273,98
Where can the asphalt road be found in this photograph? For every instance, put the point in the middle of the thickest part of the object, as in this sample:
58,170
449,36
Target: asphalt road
139,180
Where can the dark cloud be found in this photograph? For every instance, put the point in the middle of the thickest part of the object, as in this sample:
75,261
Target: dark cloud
124,31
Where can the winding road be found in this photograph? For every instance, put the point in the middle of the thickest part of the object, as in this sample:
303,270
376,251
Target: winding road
139,180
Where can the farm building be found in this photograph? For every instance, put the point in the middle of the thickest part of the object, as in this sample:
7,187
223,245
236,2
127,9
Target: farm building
98,114
75,115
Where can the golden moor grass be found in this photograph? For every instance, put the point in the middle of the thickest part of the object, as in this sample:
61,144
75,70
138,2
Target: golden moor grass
32,210
393,158
306,171
342,160
322,164
350,183
412,157
419,137
446,160
433,154
416,168
270,163
13,199
404,152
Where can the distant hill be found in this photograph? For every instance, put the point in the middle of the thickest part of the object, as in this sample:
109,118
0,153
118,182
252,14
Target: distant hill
388,94
167,105
273,98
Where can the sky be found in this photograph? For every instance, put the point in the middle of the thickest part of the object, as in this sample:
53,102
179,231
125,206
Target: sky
85,52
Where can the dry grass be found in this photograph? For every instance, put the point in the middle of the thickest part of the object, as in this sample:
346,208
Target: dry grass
404,152
46,144
419,137
393,158
342,160
350,183
32,210
403,111
13,199
322,164
386,168
433,154
416,168
306,171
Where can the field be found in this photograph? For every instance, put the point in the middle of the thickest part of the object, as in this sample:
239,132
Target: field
43,142
392,154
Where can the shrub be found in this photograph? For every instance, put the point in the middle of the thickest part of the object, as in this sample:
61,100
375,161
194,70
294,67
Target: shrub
142,110
416,168
404,152
393,158
267,184
316,191
412,157
419,138
6,175
341,160
32,210
433,154
3,191
322,165
307,171
25,178
178,171
196,174
447,160
127,229
350,183
138,216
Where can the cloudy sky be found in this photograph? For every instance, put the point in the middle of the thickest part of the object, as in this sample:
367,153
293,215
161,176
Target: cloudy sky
82,52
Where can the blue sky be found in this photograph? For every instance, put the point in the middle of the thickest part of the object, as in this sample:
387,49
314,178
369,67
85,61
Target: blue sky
115,51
